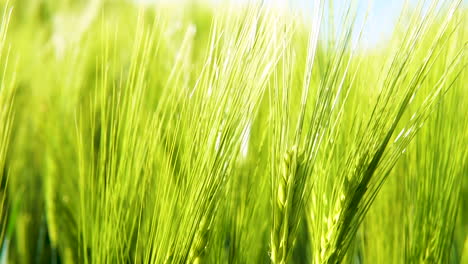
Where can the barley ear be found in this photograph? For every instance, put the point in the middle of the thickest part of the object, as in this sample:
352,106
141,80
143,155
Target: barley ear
288,206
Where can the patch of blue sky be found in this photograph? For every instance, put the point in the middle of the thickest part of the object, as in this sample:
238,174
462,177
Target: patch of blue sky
382,15
381,19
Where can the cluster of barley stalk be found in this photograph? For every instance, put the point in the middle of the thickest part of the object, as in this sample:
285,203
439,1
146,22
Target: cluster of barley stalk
222,132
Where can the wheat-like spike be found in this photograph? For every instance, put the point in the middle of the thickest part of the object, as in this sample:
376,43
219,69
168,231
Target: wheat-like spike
328,241
200,242
288,204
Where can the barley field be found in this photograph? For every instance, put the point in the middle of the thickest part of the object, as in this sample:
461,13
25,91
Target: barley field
232,132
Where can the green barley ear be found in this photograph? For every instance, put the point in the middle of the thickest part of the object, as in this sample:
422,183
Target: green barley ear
200,244
374,154
282,235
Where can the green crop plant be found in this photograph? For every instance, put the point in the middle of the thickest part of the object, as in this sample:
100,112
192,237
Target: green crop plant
226,132
6,117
